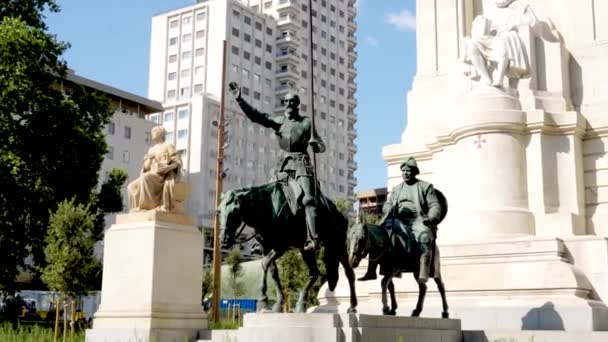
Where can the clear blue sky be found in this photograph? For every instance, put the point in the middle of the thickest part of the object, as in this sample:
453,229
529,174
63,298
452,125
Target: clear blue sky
111,40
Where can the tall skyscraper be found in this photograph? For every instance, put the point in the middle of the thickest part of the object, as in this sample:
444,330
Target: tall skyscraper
267,54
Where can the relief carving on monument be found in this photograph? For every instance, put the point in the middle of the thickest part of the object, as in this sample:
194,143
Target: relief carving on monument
158,187
502,43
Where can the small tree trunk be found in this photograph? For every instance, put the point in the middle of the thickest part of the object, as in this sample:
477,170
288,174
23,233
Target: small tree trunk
56,318
73,319
65,318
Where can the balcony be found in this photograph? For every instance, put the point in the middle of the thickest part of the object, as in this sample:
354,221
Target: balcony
289,56
352,25
352,55
352,101
352,148
352,86
352,11
288,22
289,5
352,134
352,165
288,37
352,181
287,75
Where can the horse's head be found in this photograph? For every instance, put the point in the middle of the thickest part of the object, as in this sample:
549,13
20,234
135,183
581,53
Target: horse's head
230,217
358,243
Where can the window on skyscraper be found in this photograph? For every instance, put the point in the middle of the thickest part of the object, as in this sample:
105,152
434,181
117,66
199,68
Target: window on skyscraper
247,20
169,136
182,134
235,32
235,50
199,52
168,117
171,76
185,91
198,88
110,154
268,4
247,37
236,13
186,73
127,132
172,41
187,20
200,34
258,43
111,128
172,58
174,23
171,94
186,54
201,16
258,26
268,48
257,60
269,31
182,114
186,37
126,156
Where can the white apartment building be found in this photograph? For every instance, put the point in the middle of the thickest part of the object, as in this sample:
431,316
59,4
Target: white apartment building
267,49
128,135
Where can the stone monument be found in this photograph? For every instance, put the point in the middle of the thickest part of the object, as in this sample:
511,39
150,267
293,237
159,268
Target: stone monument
153,259
517,143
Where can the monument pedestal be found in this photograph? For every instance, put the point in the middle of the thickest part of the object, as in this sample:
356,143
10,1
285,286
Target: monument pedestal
516,284
345,328
152,278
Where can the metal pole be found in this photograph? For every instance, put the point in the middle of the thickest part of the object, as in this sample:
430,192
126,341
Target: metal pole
217,252
312,95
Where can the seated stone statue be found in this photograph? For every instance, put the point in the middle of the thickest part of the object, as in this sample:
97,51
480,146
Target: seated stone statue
156,187
495,49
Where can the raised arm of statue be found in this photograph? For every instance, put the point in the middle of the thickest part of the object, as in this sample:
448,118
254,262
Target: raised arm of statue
253,114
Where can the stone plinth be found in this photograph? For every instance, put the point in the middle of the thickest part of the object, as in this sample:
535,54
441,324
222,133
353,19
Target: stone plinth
152,278
517,284
345,328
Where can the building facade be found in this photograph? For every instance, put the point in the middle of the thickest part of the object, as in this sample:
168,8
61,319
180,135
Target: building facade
267,54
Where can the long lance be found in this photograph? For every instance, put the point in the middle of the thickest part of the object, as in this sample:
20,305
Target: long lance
311,76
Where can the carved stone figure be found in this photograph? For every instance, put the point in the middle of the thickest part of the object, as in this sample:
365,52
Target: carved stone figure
495,49
157,187
294,133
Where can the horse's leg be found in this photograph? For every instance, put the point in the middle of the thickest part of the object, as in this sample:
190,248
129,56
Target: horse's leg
313,275
444,302
421,295
391,290
266,263
384,285
274,272
350,275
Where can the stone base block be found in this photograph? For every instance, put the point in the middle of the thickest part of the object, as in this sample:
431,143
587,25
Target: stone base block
152,278
533,336
143,335
516,284
345,328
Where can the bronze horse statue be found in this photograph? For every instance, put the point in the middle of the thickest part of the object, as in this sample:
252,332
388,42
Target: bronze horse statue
373,240
265,208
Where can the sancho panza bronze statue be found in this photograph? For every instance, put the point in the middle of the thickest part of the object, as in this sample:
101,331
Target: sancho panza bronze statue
295,135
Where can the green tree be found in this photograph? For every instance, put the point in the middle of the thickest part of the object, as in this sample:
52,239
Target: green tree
293,275
207,280
234,259
71,266
51,142
344,206
29,11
